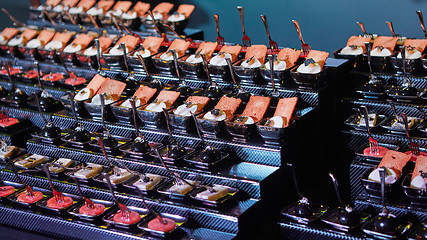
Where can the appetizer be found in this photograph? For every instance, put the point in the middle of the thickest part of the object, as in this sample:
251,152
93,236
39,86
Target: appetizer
7,151
213,193
355,45
83,6
225,108
140,8
227,51
414,48
22,38
372,120
183,12
102,7
193,104
120,175
179,45
285,58
383,46
65,162
254,111
161,224
81,42
31,161
59,41
30,198
94,209
255,56
104,44
161,11
129,218
314,62
90,90
400,126
393,162
207,48
65,5
42,39
164,100
130,43
7,34
6,190
49,5
149,182
112,89
89,171
150,46
419,175
282,115
59,203
181,187
142,96
120,8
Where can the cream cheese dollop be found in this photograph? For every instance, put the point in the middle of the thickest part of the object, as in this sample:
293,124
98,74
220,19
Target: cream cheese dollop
34,43
245,120
210,116
72,48
95,11
390,178
54,45
412,54
127,103
84,94
219,60
276,122
156,107
310,68
184,110
76,10
168,56
116,13
157,16
108,99
279,65
15,41
193,59
253,63
129,15
117,50
352,50
176,17
380,52
90,51
144,54
419,182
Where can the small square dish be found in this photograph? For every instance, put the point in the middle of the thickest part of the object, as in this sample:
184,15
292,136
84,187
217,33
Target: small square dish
334,219
373,188
176,191
149,185
122,176
399,228
30,202
222,195
195,160
144,225
164,152
44,203
354,121
41,136
417,196
131,151
304,213
392,124
109,148
137,214
71,140
78,212
8,188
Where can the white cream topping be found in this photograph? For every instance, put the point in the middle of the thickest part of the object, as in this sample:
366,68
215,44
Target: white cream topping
129,15
183,110
309,69
390,178
210,116
157,16
72,48
108,99
53,45
90,51
127,103
219,60
254,63
76,10
156,107
193,59
419,182
58,8
34,43
95,11
15,41
377,52
248,120
278,122
176,17
84,94
414,54
279,65
145,54
116,13
2,38
401,126
168,56
117,50
219,192
351,51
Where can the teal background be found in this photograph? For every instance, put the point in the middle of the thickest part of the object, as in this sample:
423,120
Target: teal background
326,25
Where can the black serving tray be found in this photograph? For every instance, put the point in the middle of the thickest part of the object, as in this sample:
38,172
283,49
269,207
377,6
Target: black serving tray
121,141
164,189
331,218
109,206
43,204
403,226
304,220
354,122
387,123
14,197
129,184
415,195
18,187
164,153
195,161
179,221
109,217
231,193
138,155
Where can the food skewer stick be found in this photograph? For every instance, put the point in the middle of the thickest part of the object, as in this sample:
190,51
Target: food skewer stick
271,61
88,202
123,209
420,16
16,23
58,195
29,189
158,26
116,171
149,208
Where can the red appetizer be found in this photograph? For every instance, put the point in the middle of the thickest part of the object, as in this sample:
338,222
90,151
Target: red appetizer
131,217
381,153
31,74
6,191
58,203
92,210
6,121
26,197
162,224
11,70
53,77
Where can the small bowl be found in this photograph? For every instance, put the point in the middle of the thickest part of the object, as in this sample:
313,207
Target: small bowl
306,80
394,94
197,163
179,221
178,26
69,139
411,64
74,211
54,141
280,76
250,75
211,127
79,105
191,68
374,188
115,62
222,72
415,195
43,204
318,210
338,54
29,53
401,228
142,213
164,66
94,110
123,114
181,123
152,119
231,193
332,218
379,64
270,135
388,123
164,153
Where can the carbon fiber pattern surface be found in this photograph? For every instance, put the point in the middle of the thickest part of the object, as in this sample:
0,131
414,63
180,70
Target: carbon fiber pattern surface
295,231
202,217
417,81
356,171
